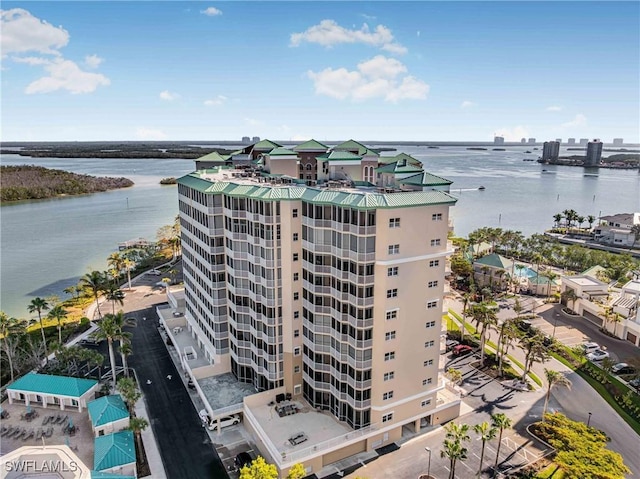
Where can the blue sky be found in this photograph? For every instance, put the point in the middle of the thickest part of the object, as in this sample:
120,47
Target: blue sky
161,70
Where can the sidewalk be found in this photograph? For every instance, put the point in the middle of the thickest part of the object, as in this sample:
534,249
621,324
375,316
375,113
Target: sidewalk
150,445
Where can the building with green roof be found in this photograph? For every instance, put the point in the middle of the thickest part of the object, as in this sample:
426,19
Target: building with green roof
115,453
108,414
49,390
493,270
311,145
109,475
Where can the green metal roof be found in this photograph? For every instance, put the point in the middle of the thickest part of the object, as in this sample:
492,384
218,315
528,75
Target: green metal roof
214,156
399,157
107,409
280,151
114,450
495,260
266,145
355,199
311,145
54,385
108,475
390,168
425,179
339,156
353,145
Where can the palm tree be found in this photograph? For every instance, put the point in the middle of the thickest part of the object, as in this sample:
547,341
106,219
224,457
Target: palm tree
580,220
125,351
557,218
508,332
591,219
137,425
500,421
535,351
485,316
466,299
487,432
116,261
551,277
59,314
95,280
71,290
10,326
569,295
128,266
129,392
39,305
115,295
453,448
635,230
553,378
109,330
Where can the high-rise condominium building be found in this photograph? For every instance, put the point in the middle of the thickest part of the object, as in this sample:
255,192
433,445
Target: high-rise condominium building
594,153
316,275
550,150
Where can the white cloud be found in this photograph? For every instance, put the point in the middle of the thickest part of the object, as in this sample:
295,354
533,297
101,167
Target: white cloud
33,61
93,61
369,18
467,104
211,12
22,32
143,133
253,122
328,33
511,134
418,33
66,75
217,101
578,120
554,108
378,77
168,96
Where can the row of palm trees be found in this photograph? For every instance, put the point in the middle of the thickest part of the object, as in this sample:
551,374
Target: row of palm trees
572,218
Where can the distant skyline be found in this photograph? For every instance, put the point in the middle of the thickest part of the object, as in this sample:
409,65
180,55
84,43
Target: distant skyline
389,71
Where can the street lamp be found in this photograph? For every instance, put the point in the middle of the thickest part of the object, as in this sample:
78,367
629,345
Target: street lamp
428,463
589,420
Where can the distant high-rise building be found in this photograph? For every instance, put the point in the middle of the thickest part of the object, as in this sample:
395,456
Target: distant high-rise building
618,142
255,139
532,141
524,140
584,141
550,150
246,140
498,140
559,140
594,153
571,141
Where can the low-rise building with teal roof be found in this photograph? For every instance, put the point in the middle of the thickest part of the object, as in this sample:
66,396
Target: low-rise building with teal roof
45,390
109,475
115,453
493,270
108,414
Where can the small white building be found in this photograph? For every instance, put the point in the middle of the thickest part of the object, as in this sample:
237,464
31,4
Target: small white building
616,230
43,390
108,414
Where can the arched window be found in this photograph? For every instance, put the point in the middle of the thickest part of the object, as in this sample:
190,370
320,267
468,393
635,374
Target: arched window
309,166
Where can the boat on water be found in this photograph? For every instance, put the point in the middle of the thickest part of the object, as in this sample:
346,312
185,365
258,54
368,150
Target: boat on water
527,151
481,188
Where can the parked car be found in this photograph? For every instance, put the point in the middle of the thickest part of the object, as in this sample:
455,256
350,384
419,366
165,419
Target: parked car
589,347
154,272
597,355
524,324
243,459
635,383
451,343
90,341
623,368
224,422
461,349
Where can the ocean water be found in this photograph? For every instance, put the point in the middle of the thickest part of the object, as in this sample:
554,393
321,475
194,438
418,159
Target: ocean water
47,245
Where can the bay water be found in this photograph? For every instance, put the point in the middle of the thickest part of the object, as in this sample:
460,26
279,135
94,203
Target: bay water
47,245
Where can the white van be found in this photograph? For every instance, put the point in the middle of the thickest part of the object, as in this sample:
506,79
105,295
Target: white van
589,347
224,422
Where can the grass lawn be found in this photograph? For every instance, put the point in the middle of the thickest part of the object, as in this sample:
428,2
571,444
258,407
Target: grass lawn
551,471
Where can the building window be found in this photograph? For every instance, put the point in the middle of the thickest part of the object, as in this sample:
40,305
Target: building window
394,223
394,249
296,351
389,335
296,369
432,304
429,324
432,284
392,293
425,403
295,256
434,263
296,296
428,362
435,242
296,333
296,314
297,389
427,381
295,212
387,395
296,276
436,217
387,417
295,236
393,314
389,376
392,271
389,356
429,344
